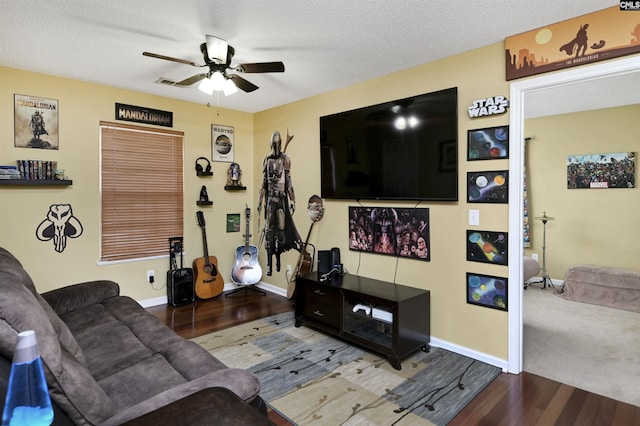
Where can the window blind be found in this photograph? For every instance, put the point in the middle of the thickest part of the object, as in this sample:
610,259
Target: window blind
141,190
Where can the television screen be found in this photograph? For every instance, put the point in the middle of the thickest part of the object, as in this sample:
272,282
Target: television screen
405,149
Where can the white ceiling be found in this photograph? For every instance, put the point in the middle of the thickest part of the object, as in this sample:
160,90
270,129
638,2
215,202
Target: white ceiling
324,45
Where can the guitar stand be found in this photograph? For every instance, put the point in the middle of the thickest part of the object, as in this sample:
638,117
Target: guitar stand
246,288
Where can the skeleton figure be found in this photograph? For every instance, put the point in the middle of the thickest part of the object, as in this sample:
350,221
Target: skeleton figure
277,191
59,224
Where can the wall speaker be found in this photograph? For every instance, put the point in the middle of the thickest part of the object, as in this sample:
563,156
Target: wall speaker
180,288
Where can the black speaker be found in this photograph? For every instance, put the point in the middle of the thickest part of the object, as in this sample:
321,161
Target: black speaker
328,259
324,261
180,288
335,257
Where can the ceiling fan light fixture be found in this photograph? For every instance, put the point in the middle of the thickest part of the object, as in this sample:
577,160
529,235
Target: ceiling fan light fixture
229,87
206,86
217,79
217,49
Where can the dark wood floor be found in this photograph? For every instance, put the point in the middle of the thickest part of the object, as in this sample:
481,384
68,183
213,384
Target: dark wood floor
523,399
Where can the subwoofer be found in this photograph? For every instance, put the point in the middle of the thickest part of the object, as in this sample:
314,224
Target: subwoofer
180,287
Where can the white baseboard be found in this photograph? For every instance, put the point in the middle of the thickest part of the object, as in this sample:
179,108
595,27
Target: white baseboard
480,356
162,300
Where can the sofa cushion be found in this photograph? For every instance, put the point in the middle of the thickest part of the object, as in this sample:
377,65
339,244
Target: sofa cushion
13,271
70,383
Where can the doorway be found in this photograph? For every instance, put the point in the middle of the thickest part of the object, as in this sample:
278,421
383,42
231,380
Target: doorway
521,93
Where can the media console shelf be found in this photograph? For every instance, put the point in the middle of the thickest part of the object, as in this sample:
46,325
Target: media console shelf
391,319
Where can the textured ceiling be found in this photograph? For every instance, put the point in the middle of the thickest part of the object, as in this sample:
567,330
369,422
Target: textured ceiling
324,45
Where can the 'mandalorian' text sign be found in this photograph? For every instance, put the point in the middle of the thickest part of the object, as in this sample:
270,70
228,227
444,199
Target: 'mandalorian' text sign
144,115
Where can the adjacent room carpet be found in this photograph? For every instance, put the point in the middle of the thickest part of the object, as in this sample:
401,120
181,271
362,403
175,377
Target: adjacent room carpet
590,347
312,378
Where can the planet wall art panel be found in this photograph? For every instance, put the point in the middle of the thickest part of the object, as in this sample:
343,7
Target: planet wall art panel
488,187
491,143
487,247
487,290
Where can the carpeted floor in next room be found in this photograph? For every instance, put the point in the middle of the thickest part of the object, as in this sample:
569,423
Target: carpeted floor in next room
310,377
591,347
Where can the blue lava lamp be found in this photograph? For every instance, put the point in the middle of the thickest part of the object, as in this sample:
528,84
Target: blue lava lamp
27,401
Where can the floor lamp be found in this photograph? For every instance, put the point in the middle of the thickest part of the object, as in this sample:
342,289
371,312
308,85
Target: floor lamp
545,275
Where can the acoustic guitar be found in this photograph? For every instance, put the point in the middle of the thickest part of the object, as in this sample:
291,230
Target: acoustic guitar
208,282
246,269
315,210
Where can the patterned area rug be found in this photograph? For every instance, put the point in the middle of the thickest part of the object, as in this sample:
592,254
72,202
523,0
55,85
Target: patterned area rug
314,379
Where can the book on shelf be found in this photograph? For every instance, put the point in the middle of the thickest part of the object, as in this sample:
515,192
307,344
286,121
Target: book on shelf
37,169
9,172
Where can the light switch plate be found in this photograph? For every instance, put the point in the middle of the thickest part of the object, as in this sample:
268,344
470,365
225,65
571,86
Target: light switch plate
474,217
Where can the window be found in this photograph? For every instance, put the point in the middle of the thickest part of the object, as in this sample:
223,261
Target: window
142,190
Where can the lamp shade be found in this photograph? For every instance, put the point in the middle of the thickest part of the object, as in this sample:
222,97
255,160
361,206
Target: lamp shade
229,87
206,86
217,79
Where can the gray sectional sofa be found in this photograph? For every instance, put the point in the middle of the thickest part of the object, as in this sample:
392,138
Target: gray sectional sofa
106,359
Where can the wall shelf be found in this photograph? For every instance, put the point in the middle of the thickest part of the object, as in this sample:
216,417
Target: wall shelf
234,188
35,182
204,203
199,173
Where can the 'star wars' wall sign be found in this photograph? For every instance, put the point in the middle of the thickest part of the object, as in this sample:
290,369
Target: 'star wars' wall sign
494,105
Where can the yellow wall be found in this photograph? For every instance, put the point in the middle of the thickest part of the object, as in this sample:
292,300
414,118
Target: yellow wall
81,107
477,74
594,226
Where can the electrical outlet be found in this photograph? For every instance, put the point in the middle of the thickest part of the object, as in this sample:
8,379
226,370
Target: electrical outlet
151,274
534,256
288,269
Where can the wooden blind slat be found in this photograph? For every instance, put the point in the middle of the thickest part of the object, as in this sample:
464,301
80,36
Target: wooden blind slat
142,190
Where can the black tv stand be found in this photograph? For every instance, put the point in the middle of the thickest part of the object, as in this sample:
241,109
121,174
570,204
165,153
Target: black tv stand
391,319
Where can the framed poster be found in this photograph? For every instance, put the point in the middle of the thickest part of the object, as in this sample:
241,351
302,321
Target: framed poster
222,143
487,247
35,122
488,187
487,291
602,35
448,156
233,222
400,232
612,170
491,143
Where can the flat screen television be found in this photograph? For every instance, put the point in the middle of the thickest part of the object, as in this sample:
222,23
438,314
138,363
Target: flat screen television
405,149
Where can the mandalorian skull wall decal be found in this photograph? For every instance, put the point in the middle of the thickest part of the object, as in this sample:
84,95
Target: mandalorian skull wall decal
59,224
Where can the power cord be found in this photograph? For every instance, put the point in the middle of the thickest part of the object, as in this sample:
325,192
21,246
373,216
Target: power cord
342,271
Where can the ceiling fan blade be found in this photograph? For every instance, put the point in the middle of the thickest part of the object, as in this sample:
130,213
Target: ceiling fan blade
189,81
260,67
243,84
169,58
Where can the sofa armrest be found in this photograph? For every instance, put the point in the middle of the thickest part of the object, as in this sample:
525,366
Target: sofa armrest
72,297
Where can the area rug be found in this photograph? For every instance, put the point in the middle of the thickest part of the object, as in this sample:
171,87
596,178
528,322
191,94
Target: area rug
314,379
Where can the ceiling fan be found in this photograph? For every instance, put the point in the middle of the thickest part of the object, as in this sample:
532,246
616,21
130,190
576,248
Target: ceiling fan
218,54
